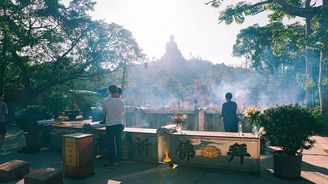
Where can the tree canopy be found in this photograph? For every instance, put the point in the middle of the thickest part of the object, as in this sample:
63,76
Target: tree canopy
314,37
45,43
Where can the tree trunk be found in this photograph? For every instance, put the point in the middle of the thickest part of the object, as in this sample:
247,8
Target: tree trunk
28,94
309,94
2,72
3,64
323,67
124,75
322,84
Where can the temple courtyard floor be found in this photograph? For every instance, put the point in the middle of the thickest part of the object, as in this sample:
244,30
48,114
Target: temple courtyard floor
314,167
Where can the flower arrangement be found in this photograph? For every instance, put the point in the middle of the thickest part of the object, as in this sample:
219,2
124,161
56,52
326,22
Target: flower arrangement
252,114
178,119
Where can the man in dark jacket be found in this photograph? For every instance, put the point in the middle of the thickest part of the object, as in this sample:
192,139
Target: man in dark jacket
230,119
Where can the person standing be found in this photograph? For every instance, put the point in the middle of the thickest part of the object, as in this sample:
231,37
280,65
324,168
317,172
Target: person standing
3,127
230,119
119,92
114,109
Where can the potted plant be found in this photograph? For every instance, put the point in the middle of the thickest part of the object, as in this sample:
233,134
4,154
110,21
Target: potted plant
290,128
251,114
179,119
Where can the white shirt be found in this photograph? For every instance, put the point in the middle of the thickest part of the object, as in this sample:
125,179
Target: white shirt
113,109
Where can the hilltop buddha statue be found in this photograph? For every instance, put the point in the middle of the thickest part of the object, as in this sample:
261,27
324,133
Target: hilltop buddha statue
172,48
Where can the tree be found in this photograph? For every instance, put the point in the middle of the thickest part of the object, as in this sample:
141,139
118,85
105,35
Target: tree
265,48
173,86
50,44
313,14
321,36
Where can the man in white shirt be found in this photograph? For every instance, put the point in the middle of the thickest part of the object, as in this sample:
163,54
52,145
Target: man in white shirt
114,108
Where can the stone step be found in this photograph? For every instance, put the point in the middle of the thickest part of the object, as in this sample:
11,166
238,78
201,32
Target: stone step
44,176
14,169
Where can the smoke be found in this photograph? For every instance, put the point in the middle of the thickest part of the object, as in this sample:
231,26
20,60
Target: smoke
174,81
261,91
152,87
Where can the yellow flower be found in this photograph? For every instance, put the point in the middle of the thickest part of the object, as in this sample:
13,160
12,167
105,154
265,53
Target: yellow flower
251,111
251,114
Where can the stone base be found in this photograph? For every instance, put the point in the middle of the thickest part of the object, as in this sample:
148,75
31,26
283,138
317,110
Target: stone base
14,169
44,176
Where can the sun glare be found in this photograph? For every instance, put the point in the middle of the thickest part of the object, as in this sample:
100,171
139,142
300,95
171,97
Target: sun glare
152,20
194,25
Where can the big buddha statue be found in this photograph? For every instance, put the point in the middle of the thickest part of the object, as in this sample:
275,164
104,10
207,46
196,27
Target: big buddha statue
172,48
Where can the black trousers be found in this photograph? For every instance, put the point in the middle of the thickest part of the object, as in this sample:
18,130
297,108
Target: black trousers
230,127
114,138
3,128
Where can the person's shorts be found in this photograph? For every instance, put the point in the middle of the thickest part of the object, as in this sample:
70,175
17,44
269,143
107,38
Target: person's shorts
3,128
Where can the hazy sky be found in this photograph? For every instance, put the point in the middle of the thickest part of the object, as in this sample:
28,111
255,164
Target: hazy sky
194,25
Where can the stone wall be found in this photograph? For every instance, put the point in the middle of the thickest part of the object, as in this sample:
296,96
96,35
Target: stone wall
197,120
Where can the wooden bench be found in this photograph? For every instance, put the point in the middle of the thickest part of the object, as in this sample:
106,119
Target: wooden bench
14,169
44,176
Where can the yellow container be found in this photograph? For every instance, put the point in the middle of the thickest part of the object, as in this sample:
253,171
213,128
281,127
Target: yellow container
78,155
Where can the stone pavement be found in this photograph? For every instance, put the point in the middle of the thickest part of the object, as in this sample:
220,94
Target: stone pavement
314,168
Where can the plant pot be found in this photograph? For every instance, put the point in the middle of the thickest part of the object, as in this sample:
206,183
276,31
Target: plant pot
286,166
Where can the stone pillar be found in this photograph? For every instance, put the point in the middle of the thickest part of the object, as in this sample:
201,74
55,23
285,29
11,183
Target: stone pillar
139,119
199,120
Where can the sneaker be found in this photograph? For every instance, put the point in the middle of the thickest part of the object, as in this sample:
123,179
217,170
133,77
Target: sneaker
110,165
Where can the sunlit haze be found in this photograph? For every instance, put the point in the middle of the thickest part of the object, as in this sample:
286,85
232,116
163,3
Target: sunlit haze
194,25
